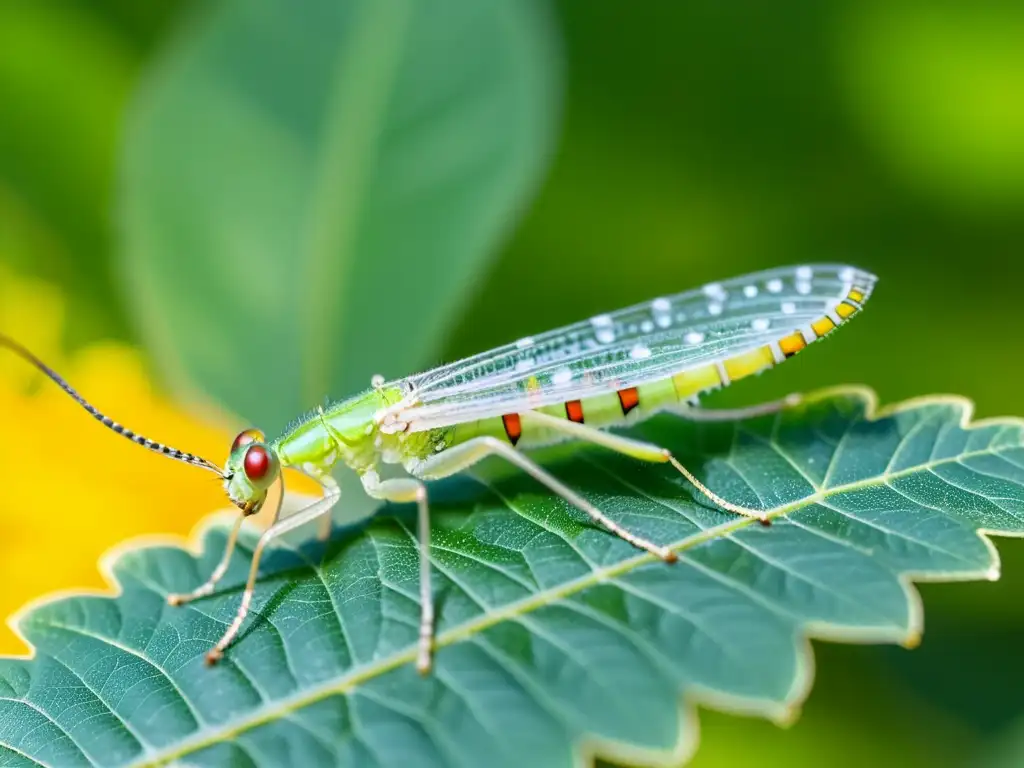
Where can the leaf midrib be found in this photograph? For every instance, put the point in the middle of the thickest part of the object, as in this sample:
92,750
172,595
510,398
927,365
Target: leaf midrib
355,677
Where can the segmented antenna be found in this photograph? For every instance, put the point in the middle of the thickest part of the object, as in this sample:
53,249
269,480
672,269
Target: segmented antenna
163,450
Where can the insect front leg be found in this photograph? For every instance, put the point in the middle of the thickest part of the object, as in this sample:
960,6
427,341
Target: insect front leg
207,586
405,490
637,450
323,531
460,457
320,507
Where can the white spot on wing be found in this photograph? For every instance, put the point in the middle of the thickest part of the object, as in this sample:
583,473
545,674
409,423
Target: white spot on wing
760,324
603,328
662,309
750,291
640,352
847,274
646,326
525,342
774,285
562,376
803,287
804,273
715,291
715,308
693,337
788,307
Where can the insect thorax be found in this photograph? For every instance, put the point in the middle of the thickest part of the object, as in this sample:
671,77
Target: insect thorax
346,431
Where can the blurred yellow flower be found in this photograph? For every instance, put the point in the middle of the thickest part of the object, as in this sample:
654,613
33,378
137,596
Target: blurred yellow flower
72,489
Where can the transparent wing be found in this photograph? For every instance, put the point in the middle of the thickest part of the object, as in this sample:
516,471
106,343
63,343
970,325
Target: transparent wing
633,346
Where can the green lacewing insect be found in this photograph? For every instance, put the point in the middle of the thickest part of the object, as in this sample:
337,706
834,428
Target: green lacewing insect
568,384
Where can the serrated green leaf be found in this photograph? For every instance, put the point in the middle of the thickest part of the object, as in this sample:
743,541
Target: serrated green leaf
311,194
556,639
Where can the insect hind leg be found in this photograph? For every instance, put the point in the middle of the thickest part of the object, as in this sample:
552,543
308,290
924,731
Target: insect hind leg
638,450
699,413
465,455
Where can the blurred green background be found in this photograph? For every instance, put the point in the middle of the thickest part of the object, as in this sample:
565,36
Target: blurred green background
683,142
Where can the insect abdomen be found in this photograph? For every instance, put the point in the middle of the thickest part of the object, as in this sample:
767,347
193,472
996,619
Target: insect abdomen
633,403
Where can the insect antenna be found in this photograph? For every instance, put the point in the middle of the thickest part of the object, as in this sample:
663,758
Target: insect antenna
163,450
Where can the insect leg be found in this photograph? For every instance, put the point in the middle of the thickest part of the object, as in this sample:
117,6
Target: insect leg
463,456
322,506
696,413
207,587
637,450
404,490
323,531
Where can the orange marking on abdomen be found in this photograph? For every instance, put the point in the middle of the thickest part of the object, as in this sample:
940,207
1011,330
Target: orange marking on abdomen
574,411
513,427
628,399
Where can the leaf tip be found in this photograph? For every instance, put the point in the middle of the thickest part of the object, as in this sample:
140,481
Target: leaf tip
912,640
788,716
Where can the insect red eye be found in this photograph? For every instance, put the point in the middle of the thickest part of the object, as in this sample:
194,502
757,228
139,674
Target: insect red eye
256,463
245,437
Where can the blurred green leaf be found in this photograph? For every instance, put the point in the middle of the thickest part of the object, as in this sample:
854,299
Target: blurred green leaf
64,79
937,87
552,633
1007,751
308,197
